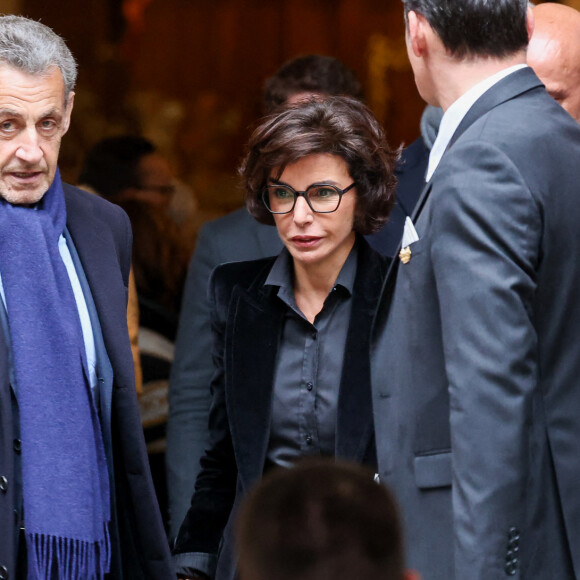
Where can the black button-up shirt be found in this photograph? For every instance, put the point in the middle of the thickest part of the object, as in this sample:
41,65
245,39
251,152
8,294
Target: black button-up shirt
308,367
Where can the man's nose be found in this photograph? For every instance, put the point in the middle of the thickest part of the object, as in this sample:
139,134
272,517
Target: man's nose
29,149
303,214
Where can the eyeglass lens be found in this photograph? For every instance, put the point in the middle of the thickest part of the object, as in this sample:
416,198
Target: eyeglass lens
321,198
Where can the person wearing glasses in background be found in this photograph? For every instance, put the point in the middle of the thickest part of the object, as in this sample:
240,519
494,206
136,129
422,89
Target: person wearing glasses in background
291,332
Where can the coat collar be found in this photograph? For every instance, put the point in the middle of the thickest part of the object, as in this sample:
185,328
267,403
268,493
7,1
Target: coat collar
253,333
101,258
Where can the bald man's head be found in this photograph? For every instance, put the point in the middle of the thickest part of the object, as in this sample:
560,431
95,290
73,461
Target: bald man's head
554,53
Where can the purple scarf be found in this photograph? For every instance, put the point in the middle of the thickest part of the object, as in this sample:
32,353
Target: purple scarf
64,471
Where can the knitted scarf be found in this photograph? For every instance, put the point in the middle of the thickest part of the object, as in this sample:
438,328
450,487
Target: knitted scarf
64,472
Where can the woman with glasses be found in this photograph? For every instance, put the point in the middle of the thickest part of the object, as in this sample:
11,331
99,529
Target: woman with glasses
291,333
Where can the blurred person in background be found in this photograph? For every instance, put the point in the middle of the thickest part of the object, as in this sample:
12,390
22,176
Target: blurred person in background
554,53
321,520
129,171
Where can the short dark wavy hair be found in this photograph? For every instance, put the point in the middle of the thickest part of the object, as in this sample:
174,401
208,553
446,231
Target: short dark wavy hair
488,28
340,126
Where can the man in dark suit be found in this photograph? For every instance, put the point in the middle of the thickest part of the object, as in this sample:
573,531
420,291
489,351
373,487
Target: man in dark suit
476,350
76,498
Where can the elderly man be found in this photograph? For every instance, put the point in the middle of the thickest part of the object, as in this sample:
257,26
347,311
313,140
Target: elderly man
554,53
76,498
476,344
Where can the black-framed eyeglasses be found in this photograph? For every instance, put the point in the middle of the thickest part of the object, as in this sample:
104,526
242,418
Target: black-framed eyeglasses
320,197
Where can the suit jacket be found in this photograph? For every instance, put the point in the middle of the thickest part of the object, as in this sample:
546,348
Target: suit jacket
247,324
102,251
475,365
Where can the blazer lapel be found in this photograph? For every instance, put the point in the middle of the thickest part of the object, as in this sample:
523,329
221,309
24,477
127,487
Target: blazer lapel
98,255
254,326
6,369
354,429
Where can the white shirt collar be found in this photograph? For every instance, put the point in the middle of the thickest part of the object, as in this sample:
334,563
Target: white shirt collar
455,113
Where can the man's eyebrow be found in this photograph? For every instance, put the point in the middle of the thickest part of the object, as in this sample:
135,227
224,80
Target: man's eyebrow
6,112
54,112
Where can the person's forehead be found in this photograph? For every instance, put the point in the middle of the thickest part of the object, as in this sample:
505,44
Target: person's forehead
22,89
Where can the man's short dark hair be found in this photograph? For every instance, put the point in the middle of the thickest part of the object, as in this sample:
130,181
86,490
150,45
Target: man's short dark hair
112,164
320,520
484,28
312,73
341,126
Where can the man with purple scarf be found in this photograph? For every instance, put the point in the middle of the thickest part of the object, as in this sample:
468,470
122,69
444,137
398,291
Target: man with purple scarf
76,498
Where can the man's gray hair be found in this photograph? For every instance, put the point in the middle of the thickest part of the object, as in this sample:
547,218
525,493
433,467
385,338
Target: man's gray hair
34,48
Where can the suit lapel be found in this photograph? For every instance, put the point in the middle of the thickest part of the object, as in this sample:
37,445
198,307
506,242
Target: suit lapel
354,429
99,257
254,327
6,369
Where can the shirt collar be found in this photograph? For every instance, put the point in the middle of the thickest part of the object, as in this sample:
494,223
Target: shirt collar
282,272
455,113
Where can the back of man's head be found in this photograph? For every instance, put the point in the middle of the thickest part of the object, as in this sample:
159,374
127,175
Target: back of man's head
476,28
310,74
112,164
35,49
320,521
554,53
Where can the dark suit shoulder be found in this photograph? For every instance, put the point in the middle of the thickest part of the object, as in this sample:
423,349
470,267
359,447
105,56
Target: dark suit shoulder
245,275
412,155
238,236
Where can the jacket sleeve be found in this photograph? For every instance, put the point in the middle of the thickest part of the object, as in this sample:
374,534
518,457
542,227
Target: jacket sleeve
215,487
486,237
189,392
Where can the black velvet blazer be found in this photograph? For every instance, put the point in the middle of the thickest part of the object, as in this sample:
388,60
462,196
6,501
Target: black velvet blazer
247,319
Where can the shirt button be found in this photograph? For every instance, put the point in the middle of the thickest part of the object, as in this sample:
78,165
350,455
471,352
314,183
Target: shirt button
309,439
314,336
309,386
17,446
3,486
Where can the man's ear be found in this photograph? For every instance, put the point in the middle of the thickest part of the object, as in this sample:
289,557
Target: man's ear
416,31
530,21
67,112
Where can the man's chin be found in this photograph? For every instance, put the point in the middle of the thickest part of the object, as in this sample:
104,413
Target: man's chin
23,197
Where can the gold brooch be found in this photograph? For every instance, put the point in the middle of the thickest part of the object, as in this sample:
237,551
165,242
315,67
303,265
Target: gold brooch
405,255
